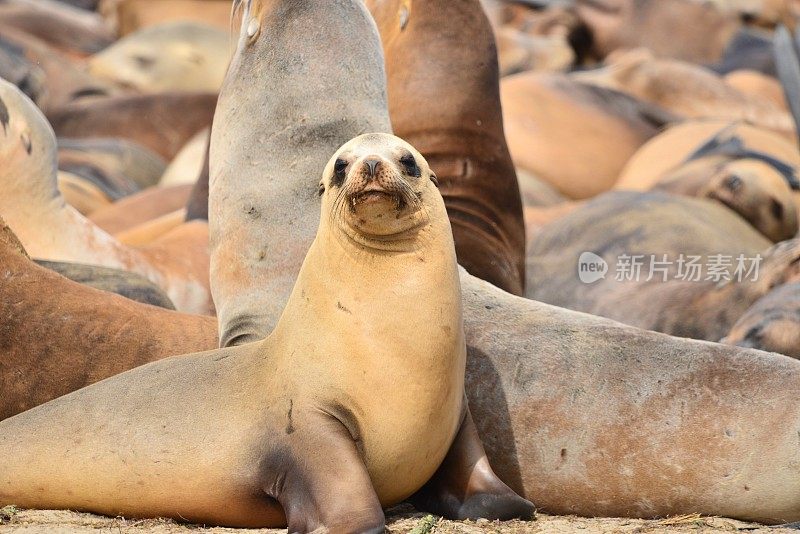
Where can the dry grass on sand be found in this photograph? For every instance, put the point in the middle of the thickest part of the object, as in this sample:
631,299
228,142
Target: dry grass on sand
400,520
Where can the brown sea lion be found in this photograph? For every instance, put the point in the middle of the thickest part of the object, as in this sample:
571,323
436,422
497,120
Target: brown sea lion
687,90
317,435
50,229
161,122
140,208
129,285
457,123
771,324
121,159
604,126
644,245
91,334
70,30
175,56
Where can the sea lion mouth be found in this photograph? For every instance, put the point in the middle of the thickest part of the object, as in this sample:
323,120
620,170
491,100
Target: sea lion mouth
376,195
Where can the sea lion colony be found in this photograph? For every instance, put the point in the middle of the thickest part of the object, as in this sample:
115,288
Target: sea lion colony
231,296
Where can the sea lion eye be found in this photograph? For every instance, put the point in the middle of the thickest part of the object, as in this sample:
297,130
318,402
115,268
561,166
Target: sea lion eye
410,165
339,170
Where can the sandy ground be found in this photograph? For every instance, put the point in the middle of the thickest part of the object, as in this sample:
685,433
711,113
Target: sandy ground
401,520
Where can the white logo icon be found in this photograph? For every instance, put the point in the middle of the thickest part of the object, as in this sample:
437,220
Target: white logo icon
591,268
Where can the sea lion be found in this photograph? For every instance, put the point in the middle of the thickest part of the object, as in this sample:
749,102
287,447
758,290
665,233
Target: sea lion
456,121
22,72
655,287
605,126
323,452
687,90
81,194
771,324
91,334
148,232
691,31
70,30
129,285
188,164
754,83
162,122
677,144
140,208
50,229
176,56
124,160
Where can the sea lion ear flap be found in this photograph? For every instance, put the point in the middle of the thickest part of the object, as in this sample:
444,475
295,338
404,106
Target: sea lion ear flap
434,179
321,190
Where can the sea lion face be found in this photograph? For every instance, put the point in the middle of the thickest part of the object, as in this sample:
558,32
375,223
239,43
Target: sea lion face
179,56
751,188
759,194
379,187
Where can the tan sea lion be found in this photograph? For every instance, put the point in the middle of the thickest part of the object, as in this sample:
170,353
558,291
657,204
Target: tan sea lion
646,242
175,56
150,231
81,194
678,143
91,334
687,90
771,324
604,126
188,164
140,208
456,121
760,85
315,435
162,122
50,229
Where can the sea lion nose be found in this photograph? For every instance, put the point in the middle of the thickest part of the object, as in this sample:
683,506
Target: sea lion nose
372,165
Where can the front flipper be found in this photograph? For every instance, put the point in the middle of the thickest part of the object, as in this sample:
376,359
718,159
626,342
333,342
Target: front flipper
465,487
320,480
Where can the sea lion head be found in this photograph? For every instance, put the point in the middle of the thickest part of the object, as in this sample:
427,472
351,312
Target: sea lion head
377,187
751,188
28,155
